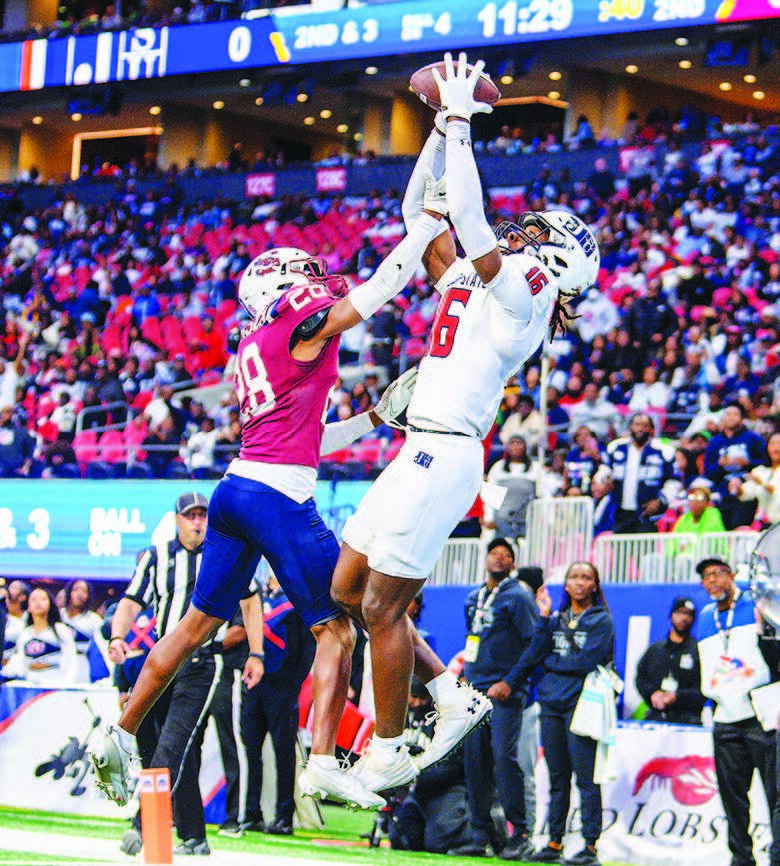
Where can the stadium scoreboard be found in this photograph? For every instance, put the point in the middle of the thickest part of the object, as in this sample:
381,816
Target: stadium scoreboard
297,36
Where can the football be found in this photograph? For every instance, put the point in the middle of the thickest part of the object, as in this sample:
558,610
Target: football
424,85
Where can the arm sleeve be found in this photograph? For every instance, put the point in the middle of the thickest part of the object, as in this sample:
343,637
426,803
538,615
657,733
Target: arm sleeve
431,159
691,698
525,624
595,651
535,653
643,681
141,586
342,433
394,272
465,196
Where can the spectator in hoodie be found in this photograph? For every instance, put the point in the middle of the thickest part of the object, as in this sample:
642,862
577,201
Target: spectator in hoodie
569,644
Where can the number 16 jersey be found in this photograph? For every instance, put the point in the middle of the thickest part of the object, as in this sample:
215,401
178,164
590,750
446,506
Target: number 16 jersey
480,338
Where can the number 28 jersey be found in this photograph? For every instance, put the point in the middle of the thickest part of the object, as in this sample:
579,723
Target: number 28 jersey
282,400
481,336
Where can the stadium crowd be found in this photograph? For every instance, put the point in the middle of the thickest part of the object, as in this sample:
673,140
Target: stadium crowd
117,321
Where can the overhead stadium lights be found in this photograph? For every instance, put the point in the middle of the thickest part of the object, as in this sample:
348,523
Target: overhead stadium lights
302,97
371,70
555,75
76,116
358,136
245,82
749,79
553,94
37,120
309,121
155,110
681,41
342,127
631,69
325,113
758,94
725,85
685,64
259,100
218,104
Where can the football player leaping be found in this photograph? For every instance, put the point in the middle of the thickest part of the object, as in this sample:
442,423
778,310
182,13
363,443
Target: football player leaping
496,308
287,363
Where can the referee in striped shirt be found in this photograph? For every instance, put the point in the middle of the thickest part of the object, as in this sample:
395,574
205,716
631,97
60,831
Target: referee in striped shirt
165,578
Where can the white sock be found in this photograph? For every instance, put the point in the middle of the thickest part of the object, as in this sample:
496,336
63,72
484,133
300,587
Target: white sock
126,739
389,743
324,762
444,689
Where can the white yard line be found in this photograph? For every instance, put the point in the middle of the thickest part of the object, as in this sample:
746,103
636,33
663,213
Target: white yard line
107,851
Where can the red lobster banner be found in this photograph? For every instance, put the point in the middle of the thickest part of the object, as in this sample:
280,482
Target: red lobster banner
664,806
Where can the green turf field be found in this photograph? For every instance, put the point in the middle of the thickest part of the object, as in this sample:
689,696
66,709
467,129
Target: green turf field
339,841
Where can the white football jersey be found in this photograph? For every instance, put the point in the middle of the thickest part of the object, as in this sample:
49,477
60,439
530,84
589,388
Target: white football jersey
480,337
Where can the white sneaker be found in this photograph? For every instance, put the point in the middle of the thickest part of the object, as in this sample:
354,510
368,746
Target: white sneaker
381,770
336,784
112,765
454,724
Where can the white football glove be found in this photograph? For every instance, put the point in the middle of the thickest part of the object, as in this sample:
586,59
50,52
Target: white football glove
456,90
396,398
435,194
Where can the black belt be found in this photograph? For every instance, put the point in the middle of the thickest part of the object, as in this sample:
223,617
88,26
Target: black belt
438,432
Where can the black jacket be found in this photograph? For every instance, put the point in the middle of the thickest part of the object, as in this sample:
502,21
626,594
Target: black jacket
681,662
506,629
769,644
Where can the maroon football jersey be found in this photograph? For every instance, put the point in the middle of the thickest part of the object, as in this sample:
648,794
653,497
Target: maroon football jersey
283,401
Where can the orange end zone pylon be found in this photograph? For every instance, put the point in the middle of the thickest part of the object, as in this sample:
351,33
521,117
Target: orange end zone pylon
156,817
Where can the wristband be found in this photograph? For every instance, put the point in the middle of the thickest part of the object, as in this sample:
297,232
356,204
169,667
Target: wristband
260,656
113,639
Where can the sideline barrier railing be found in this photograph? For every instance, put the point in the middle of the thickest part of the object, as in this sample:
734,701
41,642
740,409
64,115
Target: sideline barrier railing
560,531
667,558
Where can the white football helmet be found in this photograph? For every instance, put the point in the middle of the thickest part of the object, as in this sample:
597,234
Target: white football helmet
563,242
268,276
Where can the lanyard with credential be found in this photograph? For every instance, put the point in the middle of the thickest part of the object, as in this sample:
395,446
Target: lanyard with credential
726,632
484,605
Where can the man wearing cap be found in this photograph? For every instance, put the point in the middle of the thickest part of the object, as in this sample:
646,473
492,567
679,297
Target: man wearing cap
500,615
668,675
731,667
165,579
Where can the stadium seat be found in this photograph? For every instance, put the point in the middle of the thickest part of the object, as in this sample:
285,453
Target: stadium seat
139,470
85,446
112,447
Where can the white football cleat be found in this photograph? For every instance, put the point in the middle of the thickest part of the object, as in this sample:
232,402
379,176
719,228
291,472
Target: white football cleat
334,783
383,769
454,724
112,763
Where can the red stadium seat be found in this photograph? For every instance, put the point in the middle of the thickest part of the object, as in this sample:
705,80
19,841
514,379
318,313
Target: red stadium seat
112,447
85,446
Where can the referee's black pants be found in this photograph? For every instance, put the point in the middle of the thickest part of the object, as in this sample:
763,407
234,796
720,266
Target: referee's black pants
270,708
741,747
180,721
226,710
